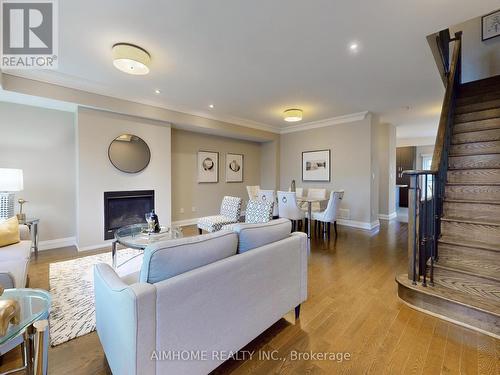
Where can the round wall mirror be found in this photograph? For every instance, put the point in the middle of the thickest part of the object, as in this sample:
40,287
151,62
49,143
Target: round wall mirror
129,153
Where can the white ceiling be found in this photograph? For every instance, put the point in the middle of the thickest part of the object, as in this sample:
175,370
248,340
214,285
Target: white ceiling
253,59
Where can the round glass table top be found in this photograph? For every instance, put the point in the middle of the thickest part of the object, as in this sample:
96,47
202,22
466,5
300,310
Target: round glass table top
34,305
137,236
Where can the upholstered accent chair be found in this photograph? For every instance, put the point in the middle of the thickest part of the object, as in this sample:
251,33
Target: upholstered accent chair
230,211
259,211
253,191
270,196
329,215
288,208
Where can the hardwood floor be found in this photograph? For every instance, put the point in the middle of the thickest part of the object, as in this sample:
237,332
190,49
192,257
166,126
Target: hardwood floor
352,308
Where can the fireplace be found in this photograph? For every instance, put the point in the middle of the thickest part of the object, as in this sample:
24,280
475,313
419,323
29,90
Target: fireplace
124,208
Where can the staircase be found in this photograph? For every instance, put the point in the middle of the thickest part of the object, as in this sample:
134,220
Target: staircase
463,265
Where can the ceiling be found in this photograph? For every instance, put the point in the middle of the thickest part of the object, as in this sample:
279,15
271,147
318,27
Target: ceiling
254,59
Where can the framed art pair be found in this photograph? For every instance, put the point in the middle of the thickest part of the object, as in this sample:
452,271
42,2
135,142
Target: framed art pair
208,167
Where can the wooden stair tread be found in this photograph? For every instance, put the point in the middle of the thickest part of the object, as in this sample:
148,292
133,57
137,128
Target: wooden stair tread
476,125
474,175
473,244
481,161
485,114
476,148
468,108
452,295
477,262
470,201
492,221
472,183
476,136
476,273
477,98
477,192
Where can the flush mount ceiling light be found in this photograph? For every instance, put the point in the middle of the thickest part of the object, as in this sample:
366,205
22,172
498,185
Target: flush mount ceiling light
131,59
354,47
292,115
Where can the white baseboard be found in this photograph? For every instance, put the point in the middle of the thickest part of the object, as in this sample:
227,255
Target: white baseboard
103,245
56,243
359,224
183,223
388,217
348,223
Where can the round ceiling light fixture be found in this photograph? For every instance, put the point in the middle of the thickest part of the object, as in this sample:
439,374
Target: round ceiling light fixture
131,59
292,115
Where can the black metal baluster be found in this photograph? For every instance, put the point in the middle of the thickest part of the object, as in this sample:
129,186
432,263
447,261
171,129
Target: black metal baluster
423,254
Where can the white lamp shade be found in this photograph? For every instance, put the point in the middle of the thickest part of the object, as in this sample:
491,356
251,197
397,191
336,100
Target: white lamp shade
11,179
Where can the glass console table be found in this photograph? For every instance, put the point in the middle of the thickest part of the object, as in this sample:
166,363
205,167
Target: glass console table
34,307
136,236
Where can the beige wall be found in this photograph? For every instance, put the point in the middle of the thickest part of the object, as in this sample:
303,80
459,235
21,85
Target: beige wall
206,198
479,59
351,169
270,165
41,142
387,169
96,174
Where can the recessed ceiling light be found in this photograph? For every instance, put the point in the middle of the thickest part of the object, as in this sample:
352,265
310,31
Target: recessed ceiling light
157,91
131,59
354,47
211,106
292,115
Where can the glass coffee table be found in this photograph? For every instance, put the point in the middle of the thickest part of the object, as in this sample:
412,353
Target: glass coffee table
34,307
136,236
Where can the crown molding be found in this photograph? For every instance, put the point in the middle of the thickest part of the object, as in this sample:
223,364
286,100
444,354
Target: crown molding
177,108
358,116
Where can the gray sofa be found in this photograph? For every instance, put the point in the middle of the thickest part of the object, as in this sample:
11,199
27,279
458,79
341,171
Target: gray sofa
14,261
201,295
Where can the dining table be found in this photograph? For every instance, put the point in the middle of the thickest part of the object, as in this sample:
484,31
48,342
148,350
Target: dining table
310,202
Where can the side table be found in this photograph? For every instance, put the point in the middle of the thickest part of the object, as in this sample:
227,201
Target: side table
31,326
32,224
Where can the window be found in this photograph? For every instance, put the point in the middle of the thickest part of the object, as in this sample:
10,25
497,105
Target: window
426,165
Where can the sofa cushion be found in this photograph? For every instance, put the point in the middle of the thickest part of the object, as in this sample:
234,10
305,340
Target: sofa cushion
9,232
169,258
251,236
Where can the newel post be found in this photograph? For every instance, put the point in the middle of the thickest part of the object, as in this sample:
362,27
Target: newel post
413,224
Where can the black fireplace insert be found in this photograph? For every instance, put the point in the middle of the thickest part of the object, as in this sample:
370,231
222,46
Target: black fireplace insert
125,208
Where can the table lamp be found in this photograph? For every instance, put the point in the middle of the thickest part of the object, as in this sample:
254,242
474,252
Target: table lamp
11,180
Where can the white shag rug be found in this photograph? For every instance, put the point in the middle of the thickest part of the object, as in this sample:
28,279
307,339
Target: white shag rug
72,290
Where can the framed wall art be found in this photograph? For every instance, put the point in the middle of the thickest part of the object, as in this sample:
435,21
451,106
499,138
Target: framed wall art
234,167
490,25
316,165
208,166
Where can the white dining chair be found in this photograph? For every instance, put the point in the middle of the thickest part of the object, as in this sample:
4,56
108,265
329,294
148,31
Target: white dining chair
288,208
270,196
329,215
298,191
253,192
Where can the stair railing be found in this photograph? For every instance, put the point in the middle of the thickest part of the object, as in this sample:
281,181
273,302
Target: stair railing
427,187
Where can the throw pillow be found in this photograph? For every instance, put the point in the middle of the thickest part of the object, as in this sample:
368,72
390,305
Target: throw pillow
9,232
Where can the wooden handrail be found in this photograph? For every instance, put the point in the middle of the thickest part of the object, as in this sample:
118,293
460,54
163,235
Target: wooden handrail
453,80
424,217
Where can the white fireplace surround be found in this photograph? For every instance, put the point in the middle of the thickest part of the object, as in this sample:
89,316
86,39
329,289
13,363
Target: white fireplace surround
96,174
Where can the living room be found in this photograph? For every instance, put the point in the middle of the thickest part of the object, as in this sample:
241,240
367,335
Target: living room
231,122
